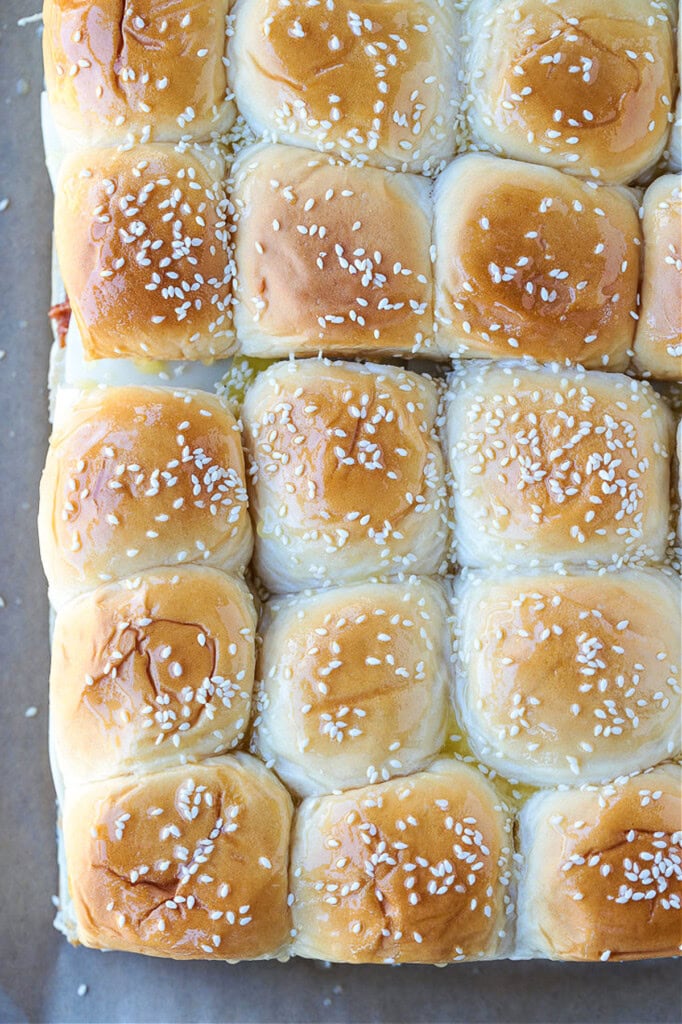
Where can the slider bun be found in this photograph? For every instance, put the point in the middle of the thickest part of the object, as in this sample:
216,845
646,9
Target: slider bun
190,863
151,671
346,473
557,465
137,478
563,676
354,684
356,242
603,870
147,70
582,86
413,870
658,342
375,80
142,240
532,262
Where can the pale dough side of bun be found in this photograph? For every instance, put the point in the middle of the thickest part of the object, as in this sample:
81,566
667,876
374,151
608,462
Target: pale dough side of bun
658,342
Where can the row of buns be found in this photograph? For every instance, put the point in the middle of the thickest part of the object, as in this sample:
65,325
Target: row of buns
548,678
356,471
210,861
403,84
556,480
167,253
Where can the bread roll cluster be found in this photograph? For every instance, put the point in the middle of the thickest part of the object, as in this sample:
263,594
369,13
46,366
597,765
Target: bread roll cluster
351,660
178,242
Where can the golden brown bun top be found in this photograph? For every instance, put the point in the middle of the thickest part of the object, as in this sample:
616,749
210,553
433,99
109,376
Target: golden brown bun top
576,84
152,670
374,79
138,477
347,444
407,870
605,872
357,629
150,66
355,241
355,683
565,675
186,863
142,242
559,460
534,262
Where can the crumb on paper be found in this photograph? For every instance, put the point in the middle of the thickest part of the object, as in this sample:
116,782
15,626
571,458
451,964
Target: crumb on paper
4,203
2,602
30,19
82,989
31,711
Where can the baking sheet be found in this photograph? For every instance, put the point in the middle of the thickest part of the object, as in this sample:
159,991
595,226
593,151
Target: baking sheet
40,974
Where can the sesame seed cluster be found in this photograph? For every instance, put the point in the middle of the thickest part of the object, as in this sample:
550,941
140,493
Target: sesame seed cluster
353,661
